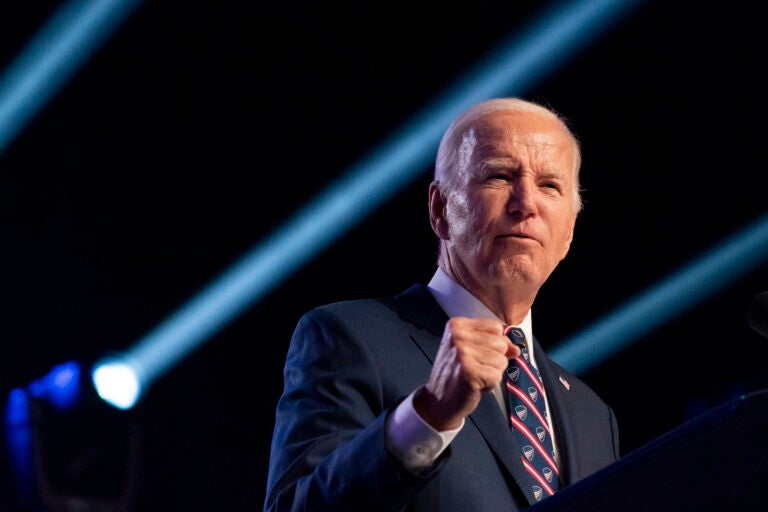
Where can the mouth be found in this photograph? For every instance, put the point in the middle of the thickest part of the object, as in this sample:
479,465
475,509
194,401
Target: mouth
517,237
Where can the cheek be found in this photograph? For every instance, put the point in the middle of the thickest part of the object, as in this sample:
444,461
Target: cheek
564,237
459,223
458,214
473,216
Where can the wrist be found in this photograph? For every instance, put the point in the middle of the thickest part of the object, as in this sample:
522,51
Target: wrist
433,412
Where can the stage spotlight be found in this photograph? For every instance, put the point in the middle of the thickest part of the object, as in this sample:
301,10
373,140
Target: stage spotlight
117,382
68,449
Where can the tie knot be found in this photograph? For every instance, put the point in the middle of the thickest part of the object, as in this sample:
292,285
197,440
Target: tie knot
516,335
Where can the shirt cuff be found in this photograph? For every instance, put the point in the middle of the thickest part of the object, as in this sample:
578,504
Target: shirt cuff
412,440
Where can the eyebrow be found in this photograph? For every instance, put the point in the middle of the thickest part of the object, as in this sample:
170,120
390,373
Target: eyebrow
507,163
501,163
553,175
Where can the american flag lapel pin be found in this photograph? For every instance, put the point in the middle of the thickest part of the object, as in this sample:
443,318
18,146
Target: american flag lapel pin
564,382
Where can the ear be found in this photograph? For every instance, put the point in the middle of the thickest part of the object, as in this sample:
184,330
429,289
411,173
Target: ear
437,211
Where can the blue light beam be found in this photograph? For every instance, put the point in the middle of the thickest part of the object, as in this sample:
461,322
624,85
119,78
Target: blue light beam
726,262
61,46
519,63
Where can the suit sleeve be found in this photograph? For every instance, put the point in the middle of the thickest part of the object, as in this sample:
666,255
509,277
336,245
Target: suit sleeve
328,448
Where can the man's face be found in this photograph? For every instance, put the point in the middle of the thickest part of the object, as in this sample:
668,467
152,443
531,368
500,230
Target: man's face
510,212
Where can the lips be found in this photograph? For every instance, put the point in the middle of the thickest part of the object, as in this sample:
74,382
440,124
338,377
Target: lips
517,236
514,235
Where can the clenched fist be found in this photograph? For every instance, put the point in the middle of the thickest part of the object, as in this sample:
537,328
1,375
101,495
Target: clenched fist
472,358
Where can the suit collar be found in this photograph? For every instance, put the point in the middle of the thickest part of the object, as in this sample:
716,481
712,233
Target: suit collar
419,307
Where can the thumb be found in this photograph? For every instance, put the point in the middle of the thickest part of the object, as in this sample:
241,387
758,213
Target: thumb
513,351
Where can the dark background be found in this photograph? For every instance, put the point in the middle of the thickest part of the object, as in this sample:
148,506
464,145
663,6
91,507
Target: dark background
201,126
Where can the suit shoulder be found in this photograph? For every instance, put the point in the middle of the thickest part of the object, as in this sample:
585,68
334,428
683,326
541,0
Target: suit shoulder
371,310
574,384
354,308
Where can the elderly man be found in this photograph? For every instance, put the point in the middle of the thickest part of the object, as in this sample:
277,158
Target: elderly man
440,398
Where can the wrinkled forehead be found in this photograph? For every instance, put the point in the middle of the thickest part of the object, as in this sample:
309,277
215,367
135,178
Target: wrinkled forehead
532,135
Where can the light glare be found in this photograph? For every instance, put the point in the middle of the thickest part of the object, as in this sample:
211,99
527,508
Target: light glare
117,383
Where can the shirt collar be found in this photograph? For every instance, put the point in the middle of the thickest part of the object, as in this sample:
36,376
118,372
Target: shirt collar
458,301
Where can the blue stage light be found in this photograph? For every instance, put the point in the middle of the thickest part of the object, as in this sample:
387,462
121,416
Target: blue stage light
66,445
56,52
518,64
739,254
19,439
60,387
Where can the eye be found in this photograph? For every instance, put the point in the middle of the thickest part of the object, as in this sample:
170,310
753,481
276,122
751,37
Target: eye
554,185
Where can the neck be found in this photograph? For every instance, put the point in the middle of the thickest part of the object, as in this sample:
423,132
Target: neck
507,299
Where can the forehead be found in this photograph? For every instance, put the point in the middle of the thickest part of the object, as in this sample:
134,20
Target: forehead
527,132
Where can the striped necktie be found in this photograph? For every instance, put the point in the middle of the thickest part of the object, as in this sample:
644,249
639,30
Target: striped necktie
528,415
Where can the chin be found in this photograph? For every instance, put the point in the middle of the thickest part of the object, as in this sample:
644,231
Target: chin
513,269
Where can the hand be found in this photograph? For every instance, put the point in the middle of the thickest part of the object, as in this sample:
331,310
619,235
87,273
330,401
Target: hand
472,358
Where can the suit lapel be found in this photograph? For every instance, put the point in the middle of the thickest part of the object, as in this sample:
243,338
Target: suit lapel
558,400
495,429
419,307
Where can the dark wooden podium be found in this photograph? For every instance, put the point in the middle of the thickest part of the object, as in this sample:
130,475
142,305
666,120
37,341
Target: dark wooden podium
716,461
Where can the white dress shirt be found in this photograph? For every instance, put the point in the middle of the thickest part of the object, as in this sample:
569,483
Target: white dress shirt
409,438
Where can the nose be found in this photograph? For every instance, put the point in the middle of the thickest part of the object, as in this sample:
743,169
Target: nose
522,198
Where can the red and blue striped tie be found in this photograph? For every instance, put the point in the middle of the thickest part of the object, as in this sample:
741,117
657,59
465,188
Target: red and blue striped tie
528,414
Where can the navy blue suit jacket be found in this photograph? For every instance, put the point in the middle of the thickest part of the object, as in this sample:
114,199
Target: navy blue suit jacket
348,366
